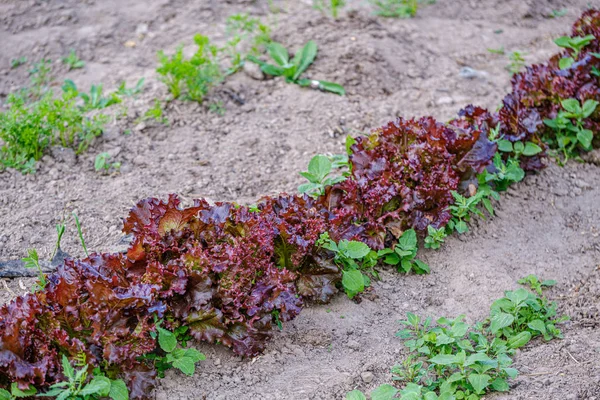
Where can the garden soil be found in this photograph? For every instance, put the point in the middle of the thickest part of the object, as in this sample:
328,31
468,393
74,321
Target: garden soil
433,64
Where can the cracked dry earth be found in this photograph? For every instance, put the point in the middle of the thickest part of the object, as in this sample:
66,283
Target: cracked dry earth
548,225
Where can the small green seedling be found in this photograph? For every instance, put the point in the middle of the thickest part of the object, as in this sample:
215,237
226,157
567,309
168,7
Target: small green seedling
247,36
72,61
80,233
17,62
569,129
77,386
404,253
40,78
464,207
505,174
352,257
319,169
517,62
102,163
294,68
32,261
156,112
329,6
535,284
396,8
122,90
499,50
60,231
191,79
575,44
173,356
435,237
16,393
558,13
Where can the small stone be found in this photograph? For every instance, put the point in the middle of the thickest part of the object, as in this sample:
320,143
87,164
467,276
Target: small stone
471,73
445,101
140,127
217,361
367,377
253,71
353,344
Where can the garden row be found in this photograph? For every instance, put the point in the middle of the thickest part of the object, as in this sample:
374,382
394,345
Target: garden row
227,273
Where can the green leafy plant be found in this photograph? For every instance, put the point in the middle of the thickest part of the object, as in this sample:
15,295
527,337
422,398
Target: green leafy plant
396,8
156,113
247,36
557,13
172,356
535,284
17,62
569,131
353,258
72,61
16,393
41,77
464,207
77,386
60,231
190,79
453,360
102,163
404,253
505,174
95,99
516,62
80,233
122,90
331,7
499,50
292,69
575,44
435,237
32,261
318,174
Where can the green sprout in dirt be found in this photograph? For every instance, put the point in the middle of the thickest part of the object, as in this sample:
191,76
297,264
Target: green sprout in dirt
452,360
102,163
464,207
32,261
575,44
17,62
156,112
318,174
41,77
353,258
247,36
122,90
331,7
294,68
557,13
60,231
569,131
190,79
72,61
517,62
404,253
80,233
396,8
535,284
77,386
435,237
505,174
499,50
95,99
170,355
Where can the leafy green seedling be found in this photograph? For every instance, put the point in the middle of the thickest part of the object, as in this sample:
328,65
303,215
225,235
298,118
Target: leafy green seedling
247,36
102,163
435,237
517,62
575,44
156,112
76,387
569,129
32,261
294,68
396,8
80,233
535,284
72,61
173,356
352,257
17,62
319,169
499,50
558,13
191,79
16,393
40,78
329,6
122,90
504,175
404,253
463,208
60,231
